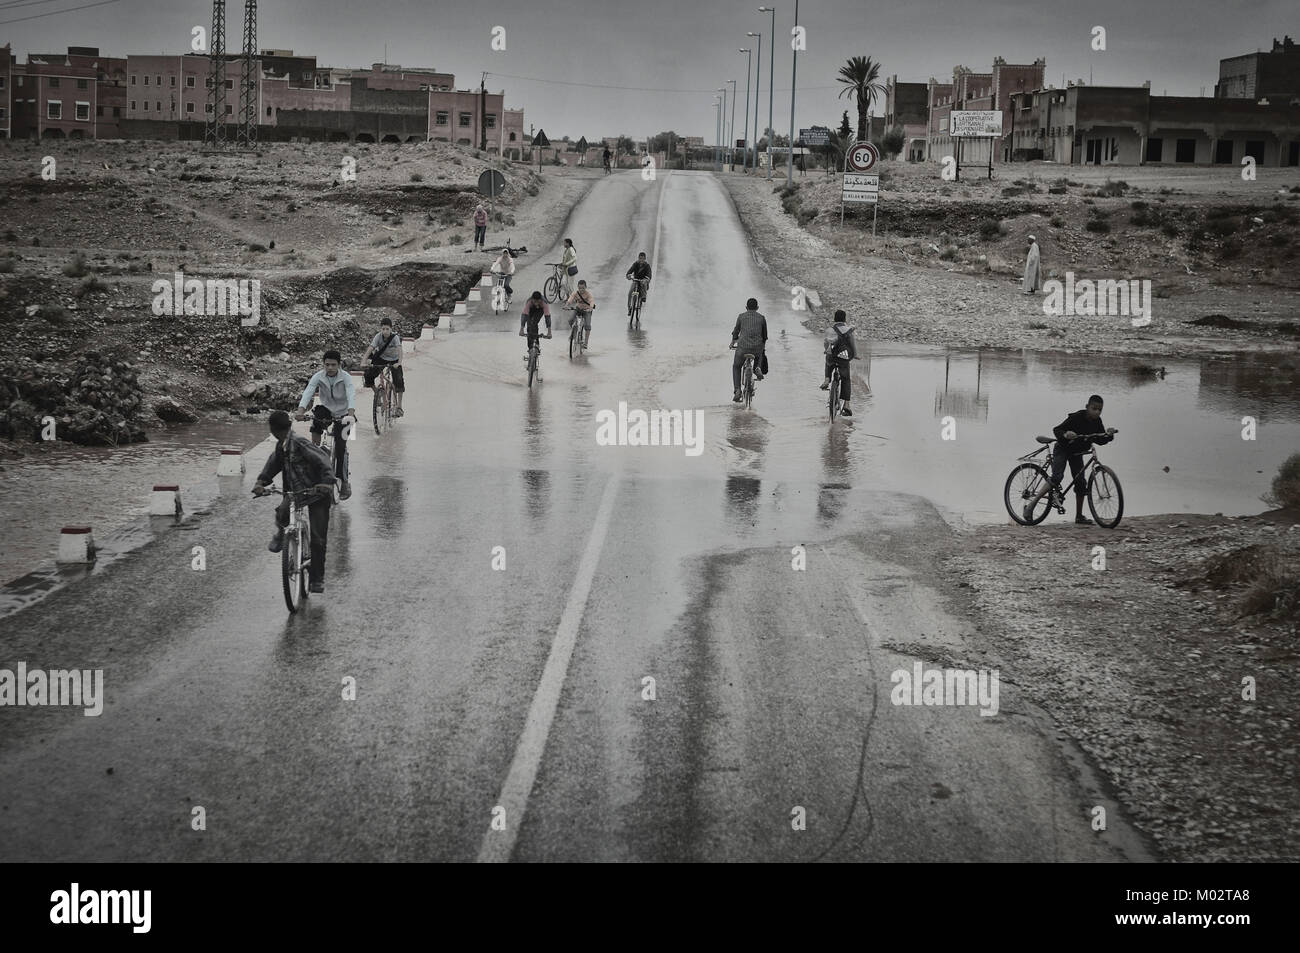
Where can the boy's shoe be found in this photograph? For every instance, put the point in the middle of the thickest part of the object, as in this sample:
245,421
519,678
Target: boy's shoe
277,541
758,375
316,587
1082,521
735,398
826,384
345,491
846,412
399,412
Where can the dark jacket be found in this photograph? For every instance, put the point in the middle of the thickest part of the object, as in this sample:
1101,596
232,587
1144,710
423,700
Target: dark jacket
750,332
307,466
1080,423
639,269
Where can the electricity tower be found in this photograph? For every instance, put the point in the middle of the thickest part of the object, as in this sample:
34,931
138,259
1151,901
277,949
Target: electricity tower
215,131
247,135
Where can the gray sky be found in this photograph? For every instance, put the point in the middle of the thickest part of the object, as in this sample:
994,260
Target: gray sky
676,51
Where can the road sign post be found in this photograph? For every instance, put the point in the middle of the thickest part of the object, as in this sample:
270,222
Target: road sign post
975,124
859,184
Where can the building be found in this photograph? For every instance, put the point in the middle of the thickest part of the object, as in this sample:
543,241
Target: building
1275,74
1113,125
6,89
989,91
907,105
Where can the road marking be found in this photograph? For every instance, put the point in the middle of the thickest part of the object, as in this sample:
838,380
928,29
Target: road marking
654,264
499,845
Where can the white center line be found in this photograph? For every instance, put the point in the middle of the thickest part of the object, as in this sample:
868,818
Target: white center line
659,215
499,845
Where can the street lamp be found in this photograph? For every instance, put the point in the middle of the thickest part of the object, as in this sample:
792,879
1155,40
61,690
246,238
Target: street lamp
794,65
771,91
717,133
749,59
758,85
731,138
722,138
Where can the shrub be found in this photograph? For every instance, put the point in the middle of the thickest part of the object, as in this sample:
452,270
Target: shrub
806,215
456,239
1056,190
990,228
77,267
1285,491
416,177
91,283
1097,225
256,246
1138,206
1112,190
1170,229
949,253
1058,222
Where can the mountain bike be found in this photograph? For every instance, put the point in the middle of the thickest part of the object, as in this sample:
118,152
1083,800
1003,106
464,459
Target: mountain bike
835,401
577,330
556,286
747,379
634,302
295,550
1029,495
381,407
533,359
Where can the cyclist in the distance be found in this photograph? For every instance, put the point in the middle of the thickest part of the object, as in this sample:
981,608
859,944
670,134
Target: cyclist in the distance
840,348
749,336
535,309
1072,442
386,349
608,156
582,304
338,397
638,273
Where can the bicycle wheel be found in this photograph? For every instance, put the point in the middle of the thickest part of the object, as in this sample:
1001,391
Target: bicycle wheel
747,383
388,403
1027,494
552,288
532,365
376,410
834,399
574,344
636,310
1105,498
291,568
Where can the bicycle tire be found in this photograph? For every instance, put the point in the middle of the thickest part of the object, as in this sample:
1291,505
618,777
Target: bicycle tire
551,289
388,401
1033,473
747,383
1117,496
574,346
291,568
375,409
834,401
532,365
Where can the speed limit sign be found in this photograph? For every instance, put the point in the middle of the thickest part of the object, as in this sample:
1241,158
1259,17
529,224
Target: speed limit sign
861,157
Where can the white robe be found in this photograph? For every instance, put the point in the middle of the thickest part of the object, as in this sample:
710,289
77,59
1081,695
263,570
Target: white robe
1033,271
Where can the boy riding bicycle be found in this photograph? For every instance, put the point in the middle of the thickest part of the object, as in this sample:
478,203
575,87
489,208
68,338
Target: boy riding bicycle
306,469
582,304
386,350
338,397
840,349
535,309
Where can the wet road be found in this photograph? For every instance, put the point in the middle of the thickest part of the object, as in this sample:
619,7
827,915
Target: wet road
501,587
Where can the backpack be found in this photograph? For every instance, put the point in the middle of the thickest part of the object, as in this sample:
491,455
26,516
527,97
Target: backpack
835,341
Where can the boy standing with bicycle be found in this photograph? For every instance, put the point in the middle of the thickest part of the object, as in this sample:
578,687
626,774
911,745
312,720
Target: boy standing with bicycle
1074,437
305,468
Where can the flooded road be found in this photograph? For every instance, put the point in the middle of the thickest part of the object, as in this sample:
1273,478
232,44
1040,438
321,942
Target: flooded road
502,584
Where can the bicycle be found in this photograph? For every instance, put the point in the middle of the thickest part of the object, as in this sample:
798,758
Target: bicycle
577,330
338,454
1030,483
500,297
607,168
835,401
556,286
295,551
637,295
534,358
746,379
381,408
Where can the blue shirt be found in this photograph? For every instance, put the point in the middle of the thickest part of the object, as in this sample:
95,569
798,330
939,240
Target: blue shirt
337,393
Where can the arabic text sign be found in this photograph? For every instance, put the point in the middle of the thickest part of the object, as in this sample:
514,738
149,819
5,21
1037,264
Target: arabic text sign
861,188
975,123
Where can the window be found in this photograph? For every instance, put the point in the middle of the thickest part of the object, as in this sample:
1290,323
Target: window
2,112
133,105
466,118
146,105
83,84
268,110
99,111
132,79
230,84
2,82
1184,150
158,106
146,80
1223,152
441,118
54,109
208,82
83,112
1155,149
20,80
189,82
173,79
157,80
491,121
230,110
54,82
189,107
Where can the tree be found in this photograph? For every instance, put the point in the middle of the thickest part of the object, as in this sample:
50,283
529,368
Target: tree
891,143
625,146
860,78
664,142
845,130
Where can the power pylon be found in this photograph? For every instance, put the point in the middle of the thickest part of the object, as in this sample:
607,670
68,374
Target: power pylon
215,132
247,135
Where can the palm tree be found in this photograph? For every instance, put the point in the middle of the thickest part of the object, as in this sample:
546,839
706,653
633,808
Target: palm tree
859,76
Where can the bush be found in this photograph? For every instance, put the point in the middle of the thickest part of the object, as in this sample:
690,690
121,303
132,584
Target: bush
1097,225
416,177
1285,491
6,266
1056,190
91,283
77,267
806,215
949,253
456,239
1138,206
1113,190
1058,222
990,229
1169,229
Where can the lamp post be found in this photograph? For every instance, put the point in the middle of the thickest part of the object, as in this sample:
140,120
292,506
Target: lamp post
771,90
717,133
758,85
749,60
794,58
732,138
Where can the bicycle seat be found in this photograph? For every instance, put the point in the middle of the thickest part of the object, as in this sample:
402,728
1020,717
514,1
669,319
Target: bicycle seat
1044,439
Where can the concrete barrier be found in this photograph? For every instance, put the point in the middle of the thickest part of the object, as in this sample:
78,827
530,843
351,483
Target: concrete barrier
474,295
165,500
426,333
460,308
447,318
76,545
408,346
486,280
230,463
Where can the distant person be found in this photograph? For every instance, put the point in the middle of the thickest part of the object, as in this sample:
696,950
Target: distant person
638,273
1033,269
480,227
749,336
608,157
505,265
1074,438
569,264
305,468
840,348
386,349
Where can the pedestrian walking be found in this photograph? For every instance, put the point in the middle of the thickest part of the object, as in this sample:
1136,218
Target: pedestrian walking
1033,269
480,227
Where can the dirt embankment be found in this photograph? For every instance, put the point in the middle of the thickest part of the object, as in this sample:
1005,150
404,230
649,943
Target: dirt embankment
80,256
945,267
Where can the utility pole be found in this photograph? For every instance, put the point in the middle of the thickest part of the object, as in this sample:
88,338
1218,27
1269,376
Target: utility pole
482,112
749,59
789,169
771,91
731,139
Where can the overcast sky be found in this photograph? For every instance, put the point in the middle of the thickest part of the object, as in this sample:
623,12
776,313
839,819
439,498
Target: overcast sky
566,59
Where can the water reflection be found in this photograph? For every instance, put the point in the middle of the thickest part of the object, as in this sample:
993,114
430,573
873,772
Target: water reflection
742,498
1249,383
637,338
958,400
537,493
386,503
338,544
